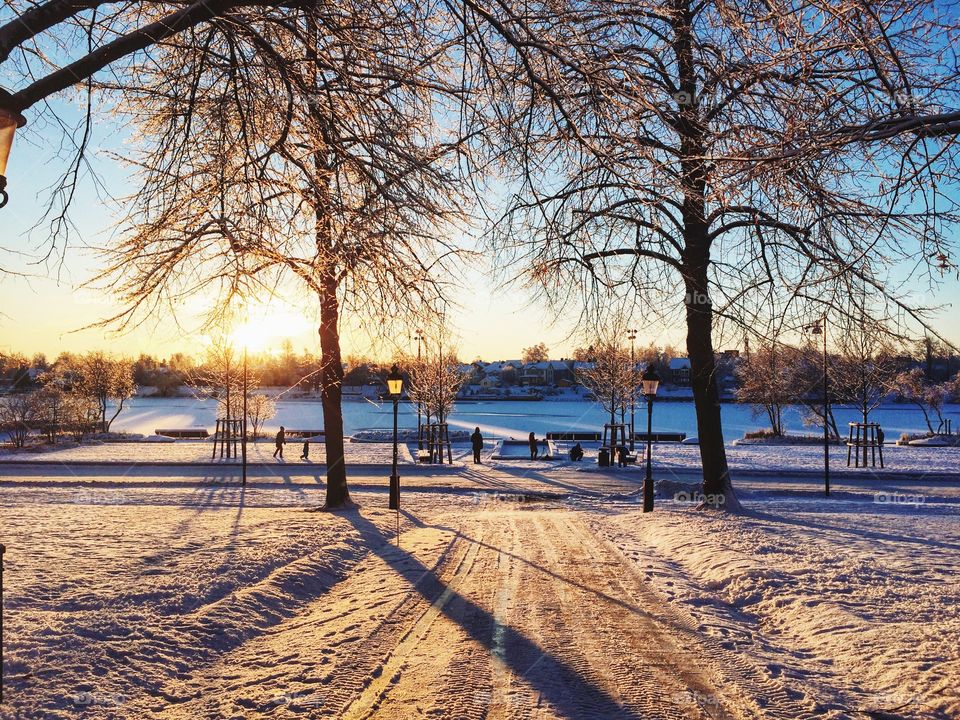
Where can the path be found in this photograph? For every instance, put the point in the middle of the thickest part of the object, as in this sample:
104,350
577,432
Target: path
505,610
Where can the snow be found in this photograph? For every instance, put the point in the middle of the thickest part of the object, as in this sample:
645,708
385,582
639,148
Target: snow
786,459
850,604
174,592
201,452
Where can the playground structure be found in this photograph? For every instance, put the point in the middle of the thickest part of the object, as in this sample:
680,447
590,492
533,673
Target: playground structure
869,438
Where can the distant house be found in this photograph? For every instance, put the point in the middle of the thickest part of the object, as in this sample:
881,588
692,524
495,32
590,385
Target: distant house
538,373
680,371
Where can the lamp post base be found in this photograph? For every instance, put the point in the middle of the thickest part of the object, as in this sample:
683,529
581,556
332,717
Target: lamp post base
394,492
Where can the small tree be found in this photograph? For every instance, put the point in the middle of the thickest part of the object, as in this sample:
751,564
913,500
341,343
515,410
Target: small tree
19,414
767,380
807,389
51,407
611,377
912,386
80,415
260,408
101,378
537,353
434,382
864,368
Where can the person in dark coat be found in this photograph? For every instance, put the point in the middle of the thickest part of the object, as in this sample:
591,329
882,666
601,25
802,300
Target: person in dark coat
533,446
305,455
622,455
280,440
576,453
477,441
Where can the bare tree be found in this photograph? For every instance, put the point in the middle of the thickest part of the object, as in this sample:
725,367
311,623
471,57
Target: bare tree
19,414
913,387
865,365
260,408
677,159
611,377
767,378
434,382
102,378
344,187
535,353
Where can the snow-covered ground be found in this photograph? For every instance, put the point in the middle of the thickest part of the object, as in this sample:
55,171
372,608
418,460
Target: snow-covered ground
668,458
201,452
846,604
203,599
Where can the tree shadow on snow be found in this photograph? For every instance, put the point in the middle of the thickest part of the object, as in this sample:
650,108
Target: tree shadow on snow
557,682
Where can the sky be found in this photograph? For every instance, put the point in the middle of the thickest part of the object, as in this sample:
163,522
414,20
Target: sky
44,308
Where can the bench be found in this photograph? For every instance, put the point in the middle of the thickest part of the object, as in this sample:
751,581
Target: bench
423,456
661,436
195,432
302,433
588,436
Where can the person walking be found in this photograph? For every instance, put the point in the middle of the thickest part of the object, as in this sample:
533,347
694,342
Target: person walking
477,440
533,446
280,440
305,455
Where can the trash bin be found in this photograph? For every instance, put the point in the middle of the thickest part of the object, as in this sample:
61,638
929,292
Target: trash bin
603,457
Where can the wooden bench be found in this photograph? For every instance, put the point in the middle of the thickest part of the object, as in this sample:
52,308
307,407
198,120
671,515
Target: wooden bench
196,433
661,436
302,433
423,456
588,436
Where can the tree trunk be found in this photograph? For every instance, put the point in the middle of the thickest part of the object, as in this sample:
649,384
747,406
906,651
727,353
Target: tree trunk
696,264
331,391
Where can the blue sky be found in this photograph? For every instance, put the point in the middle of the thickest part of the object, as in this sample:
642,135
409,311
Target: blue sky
44,310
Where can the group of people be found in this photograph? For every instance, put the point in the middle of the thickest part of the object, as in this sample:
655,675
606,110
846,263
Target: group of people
281,440
476,442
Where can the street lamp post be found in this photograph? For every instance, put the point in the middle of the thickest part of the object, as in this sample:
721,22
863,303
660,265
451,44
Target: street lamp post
10,120
419,406
820,328
243,425
650,382
394,388
3,549
633,389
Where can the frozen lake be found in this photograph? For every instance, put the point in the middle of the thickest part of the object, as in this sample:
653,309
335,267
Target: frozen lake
503,419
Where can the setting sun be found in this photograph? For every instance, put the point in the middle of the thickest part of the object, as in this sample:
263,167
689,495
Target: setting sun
266,326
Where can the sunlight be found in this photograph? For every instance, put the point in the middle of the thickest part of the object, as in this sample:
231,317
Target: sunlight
267,326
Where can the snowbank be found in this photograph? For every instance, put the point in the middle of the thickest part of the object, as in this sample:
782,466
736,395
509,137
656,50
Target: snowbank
850,604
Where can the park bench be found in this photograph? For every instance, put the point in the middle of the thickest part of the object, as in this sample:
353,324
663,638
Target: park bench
303,433
182,433
423,456
661,436
586,436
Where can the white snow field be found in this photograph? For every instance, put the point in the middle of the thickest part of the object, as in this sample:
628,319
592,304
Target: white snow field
149,592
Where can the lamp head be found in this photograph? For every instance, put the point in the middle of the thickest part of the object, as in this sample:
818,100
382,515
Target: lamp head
650,381
10,120
394,382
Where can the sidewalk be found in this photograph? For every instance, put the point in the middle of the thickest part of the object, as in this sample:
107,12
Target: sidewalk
193,452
